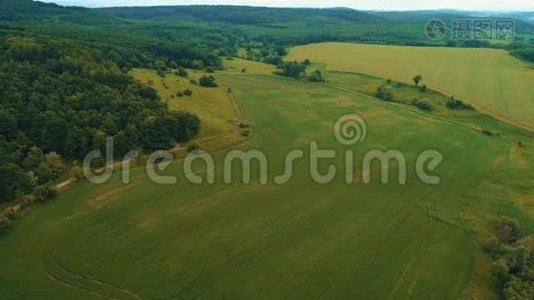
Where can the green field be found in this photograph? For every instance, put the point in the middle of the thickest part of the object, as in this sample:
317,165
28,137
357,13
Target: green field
490,79
298,240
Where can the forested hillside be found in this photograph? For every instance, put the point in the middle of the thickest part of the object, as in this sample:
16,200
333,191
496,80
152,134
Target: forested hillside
64,88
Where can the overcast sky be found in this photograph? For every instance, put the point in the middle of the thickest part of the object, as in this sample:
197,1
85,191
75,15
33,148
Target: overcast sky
356,4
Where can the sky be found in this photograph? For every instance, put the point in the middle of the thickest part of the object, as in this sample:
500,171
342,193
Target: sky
493,5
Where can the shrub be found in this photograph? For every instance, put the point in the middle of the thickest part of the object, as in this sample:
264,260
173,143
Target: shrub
244,70
423,88
458,104
488,132
245,133
417,79
509,230
316,76
207,81
291,69
181,72
424,104
210,70
192,81
188,92
180,94
492,246
385,93
43,193
76,173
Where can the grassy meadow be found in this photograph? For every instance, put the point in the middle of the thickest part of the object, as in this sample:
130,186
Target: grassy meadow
298,240
490,79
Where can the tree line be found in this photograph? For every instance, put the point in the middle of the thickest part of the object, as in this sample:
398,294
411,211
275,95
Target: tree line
60,100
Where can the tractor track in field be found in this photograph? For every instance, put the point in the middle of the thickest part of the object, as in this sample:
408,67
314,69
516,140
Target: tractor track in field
58,272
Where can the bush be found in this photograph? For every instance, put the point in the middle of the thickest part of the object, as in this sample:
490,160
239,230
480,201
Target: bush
509,230
192,81
488,132
181,72
188,92
180,94
513,266
458,104
424,104
44,192
210,70
244,70
423,88
291,69
492,246
316,76
417,79
207,81
385,93
76,173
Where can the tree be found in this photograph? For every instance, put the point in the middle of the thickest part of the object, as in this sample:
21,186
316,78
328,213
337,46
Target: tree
34,158
55,163
385,93
13,182
509,230
316,76
182,72
188,92
424,104
417,79
291,69
76,173
207,81
160,66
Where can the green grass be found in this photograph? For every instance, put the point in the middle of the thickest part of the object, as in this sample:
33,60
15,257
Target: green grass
490,79
300,240
214,106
